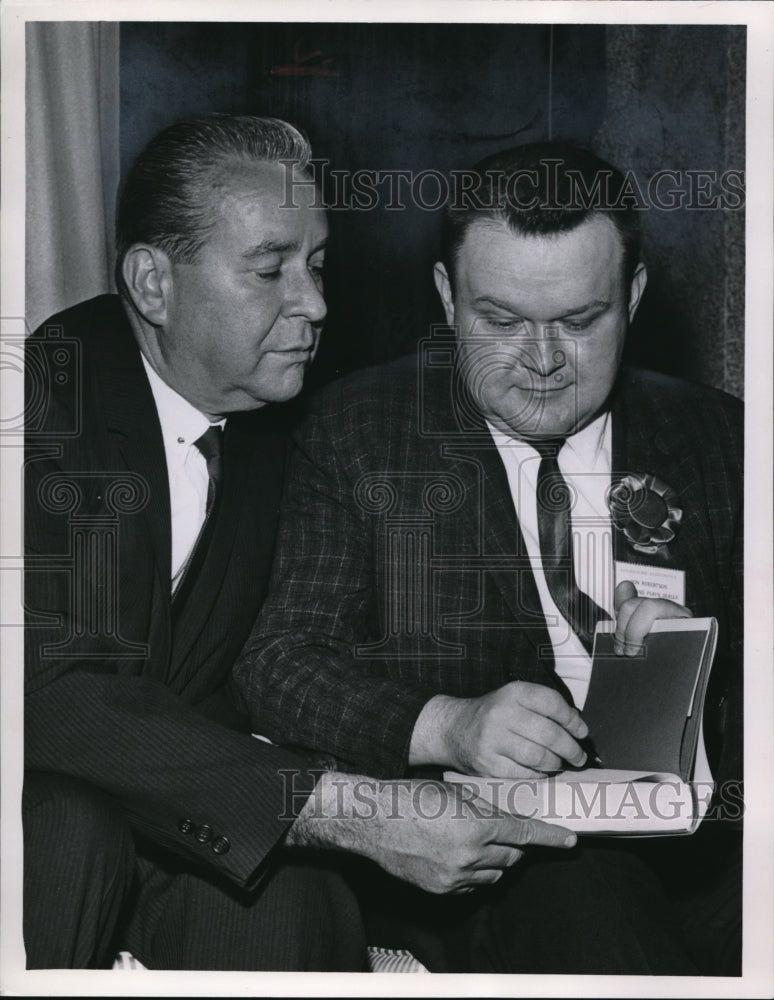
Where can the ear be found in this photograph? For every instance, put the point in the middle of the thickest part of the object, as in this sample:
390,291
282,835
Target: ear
147,274
442,283
639,281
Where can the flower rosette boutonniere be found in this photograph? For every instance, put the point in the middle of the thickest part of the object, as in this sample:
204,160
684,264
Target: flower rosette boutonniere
646,511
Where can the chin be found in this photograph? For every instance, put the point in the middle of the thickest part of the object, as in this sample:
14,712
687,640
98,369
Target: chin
537,425
287,387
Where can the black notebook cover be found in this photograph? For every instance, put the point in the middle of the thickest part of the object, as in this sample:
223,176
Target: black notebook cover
643,712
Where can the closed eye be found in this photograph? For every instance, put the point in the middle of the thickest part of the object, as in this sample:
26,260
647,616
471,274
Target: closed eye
577,325
504,325
581,320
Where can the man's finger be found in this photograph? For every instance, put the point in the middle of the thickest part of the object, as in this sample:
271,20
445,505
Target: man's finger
622,620
625,591
626,602
549,703
642,618
475,880
505,767
539,743
488,876
514,831
497,856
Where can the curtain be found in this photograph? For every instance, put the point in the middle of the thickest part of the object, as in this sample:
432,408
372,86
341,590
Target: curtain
72,162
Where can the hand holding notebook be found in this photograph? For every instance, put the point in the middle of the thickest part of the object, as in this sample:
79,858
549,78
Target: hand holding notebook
644,715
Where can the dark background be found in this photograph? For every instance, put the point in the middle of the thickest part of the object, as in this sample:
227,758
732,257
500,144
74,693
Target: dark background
438,96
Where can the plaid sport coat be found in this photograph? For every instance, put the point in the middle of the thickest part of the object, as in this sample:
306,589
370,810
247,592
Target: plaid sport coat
401,571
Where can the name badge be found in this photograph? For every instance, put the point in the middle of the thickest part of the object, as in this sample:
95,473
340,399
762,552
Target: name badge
653,581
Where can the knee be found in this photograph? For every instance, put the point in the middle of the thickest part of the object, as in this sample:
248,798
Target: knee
78,865
317,919
68,822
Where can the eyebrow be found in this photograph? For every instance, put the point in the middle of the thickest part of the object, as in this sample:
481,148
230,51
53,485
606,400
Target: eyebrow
277,246
483,300
594,304
270,246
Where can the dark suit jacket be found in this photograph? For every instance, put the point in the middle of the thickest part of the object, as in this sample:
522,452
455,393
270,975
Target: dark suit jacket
117,693
401,569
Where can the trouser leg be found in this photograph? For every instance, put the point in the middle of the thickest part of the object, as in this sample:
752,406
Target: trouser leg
302,917
703,877
78,868
600,911
595,909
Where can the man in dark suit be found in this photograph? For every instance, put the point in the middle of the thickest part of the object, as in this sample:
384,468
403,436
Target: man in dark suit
153,820
426,598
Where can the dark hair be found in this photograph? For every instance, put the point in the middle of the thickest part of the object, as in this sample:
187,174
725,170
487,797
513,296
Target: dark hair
168,197
539,189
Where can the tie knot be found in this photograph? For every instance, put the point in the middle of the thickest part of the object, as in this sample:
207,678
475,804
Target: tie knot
209,444
548,447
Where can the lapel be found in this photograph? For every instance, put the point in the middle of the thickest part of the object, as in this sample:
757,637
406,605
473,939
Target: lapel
645,441
132,423
494,528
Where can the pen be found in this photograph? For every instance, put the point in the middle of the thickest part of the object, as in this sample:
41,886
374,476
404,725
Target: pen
593,758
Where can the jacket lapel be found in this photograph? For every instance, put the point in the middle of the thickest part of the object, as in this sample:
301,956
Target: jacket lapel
494,528
644,444
131,419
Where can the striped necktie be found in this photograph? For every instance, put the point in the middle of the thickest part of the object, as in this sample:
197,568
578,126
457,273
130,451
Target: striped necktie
554,503
210,444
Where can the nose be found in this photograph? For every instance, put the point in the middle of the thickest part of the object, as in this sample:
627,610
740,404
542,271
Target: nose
305,298
545,353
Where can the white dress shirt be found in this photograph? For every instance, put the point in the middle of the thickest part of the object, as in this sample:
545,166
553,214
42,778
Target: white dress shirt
585,463
181,425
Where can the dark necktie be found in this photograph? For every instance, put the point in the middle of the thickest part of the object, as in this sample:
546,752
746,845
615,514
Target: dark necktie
210,444
554,503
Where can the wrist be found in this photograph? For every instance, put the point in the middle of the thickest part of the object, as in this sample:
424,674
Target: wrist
330,818
433,736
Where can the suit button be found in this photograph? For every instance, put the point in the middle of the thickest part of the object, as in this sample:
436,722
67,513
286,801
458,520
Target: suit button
221,845
185,825
204,833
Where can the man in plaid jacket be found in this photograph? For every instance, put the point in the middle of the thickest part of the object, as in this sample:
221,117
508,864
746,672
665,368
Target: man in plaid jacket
411,622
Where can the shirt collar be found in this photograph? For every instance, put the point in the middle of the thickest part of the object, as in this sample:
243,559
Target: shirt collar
587,444
181,423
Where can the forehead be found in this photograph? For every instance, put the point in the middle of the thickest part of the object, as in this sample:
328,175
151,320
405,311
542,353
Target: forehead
256,203
542,271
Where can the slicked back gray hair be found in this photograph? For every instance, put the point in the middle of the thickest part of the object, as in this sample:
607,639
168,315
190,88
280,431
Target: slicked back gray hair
171,190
